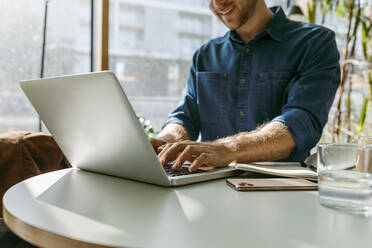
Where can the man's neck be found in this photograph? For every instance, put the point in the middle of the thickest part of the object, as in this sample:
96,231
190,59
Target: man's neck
257,23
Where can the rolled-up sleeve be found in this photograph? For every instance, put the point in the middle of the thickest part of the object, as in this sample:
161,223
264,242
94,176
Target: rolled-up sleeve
186,113
312,90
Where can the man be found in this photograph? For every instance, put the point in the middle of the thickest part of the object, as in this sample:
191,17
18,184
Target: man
260,93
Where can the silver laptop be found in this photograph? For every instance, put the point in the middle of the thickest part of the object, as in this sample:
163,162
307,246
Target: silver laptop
94,124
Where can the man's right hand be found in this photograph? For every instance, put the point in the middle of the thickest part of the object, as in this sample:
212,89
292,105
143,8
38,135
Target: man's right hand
171,133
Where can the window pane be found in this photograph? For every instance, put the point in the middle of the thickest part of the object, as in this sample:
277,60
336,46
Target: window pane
21,31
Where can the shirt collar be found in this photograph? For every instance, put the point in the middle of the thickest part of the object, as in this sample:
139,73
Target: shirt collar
273,29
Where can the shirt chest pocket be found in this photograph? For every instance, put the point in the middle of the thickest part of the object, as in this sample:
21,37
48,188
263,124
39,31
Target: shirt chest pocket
272,87
211,95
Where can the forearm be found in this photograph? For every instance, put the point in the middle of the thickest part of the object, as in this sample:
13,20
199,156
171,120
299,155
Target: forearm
270,142
173,132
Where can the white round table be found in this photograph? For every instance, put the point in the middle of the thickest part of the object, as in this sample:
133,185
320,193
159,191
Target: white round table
75,208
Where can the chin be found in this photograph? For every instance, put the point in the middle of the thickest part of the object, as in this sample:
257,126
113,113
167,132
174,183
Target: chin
230,25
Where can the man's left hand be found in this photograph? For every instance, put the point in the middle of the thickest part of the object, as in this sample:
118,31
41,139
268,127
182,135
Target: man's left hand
200,154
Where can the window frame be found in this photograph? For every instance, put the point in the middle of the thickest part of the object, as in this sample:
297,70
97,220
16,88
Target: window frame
100,35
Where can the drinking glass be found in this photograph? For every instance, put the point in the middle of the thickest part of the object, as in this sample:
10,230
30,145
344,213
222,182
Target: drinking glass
367,166
340,185
364,165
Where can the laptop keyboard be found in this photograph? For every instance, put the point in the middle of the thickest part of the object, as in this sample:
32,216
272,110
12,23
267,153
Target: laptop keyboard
181,172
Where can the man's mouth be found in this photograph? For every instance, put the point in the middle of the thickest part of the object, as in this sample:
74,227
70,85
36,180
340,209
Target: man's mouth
227,11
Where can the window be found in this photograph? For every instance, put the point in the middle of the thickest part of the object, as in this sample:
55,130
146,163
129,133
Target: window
194,23
131,38
131,15
21,36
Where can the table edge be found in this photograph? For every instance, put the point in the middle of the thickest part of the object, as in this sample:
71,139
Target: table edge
42,238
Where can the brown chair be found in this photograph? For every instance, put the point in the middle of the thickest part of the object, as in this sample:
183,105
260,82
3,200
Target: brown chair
24,155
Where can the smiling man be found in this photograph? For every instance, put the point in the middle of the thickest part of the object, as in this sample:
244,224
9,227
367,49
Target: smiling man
260,93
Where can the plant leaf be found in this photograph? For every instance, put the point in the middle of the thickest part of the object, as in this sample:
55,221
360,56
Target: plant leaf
363,114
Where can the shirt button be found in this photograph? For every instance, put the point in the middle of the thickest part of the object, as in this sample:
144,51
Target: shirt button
241,113
242,81
247,50
261,74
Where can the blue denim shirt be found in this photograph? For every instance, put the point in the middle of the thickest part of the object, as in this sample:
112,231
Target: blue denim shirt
288,73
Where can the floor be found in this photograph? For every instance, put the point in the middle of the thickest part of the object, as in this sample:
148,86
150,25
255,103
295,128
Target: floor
9,239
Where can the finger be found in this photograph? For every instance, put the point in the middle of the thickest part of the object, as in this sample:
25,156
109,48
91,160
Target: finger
156,143
190,153
171,153
202,160
187,154
160,149
166,147
206,168
186,142
192,158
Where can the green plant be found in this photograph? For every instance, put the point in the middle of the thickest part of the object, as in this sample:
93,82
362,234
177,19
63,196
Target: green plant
147,126
358,23
366,39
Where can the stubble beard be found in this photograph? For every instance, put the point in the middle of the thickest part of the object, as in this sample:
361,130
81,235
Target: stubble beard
246,11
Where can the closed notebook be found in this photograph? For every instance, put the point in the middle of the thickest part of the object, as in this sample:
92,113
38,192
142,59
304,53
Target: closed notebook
270,184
